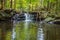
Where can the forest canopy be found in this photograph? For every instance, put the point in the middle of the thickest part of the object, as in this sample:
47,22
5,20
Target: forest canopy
27,4
50,6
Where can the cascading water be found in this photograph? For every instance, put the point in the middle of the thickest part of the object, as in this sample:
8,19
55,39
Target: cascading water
26,27
27,17
26,23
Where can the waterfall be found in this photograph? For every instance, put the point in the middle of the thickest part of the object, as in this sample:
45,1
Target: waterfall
27,17
26,27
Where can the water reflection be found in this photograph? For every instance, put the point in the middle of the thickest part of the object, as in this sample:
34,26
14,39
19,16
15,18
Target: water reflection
13,33
28,30
25,30
5,30
40,33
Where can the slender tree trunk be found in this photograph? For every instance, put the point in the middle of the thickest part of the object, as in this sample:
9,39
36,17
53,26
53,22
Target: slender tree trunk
56,5
29,5
14,4
2,4
11,4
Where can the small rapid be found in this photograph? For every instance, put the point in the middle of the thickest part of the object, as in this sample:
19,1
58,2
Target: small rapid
29,29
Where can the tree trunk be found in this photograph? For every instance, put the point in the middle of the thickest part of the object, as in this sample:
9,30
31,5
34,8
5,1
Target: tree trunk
14,4
11,4
2,4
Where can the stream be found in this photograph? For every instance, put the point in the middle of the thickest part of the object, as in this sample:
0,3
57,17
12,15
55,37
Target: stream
28,30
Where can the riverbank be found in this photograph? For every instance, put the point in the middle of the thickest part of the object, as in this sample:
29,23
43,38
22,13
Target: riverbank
39,16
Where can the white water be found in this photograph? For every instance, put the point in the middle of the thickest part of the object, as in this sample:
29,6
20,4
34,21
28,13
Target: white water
27,17
27,20
26,27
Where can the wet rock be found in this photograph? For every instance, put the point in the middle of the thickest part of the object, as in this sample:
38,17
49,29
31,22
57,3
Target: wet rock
35,16
7,14
18,17
57,18
8,10
55,22
49,19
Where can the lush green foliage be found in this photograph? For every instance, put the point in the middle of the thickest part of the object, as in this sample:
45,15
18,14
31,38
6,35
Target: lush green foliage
51,7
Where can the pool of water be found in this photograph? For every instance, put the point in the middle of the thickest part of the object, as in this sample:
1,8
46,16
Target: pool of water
29,30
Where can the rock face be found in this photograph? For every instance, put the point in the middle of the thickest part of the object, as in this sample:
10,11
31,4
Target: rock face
57,18
55,22
33,16
18,17
6,14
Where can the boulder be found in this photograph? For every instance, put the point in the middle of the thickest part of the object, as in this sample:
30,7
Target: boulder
55,22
